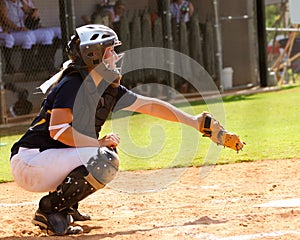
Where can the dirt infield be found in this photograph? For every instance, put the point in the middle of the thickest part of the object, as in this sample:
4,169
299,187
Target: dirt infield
226,204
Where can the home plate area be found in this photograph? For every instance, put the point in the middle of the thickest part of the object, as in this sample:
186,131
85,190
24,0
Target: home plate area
253,200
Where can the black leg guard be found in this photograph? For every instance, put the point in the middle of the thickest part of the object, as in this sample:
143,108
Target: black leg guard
77,216
75,187
55,208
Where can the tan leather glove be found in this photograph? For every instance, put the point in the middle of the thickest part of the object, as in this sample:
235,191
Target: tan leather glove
211,128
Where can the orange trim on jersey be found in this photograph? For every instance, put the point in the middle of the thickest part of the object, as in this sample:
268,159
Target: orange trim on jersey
43,120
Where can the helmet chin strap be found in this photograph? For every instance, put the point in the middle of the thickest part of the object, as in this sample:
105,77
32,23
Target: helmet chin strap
108,75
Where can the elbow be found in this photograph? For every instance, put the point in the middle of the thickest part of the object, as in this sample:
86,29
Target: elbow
58,131
52,133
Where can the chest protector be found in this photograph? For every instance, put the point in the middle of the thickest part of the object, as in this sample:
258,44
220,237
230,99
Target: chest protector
93,105
105,105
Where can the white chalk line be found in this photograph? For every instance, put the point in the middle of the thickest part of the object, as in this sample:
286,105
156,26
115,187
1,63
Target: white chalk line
18,204
283,203
262,235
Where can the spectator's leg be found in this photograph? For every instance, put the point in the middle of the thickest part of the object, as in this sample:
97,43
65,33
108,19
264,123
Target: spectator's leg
26,40
46,56
7,53
27,61
7,41
46,52
50,58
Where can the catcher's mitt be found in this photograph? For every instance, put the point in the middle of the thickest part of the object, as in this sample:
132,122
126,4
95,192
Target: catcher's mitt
211,128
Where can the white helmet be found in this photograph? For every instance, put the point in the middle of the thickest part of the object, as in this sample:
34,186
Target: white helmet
87,47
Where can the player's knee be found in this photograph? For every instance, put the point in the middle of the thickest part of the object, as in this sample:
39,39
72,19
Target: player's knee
104,166
9,41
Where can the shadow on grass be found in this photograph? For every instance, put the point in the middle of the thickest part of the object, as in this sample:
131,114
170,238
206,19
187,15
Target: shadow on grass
289,87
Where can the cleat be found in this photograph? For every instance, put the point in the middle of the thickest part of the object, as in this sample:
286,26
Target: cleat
56,223
74,230
77,216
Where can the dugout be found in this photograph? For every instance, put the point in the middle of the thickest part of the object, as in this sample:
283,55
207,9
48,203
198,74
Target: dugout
228,35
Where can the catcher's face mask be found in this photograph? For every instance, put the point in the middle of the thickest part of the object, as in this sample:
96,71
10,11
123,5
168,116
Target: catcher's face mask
112,60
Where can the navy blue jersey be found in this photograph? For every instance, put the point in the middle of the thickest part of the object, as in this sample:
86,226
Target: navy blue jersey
91,107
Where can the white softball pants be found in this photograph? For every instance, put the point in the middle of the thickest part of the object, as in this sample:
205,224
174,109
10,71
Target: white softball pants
25,39
43,36
7,40
37,171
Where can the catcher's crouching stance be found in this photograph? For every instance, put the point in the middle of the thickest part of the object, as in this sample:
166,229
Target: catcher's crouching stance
58,209
61,152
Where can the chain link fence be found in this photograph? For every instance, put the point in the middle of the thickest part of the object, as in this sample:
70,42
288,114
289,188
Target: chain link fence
32,52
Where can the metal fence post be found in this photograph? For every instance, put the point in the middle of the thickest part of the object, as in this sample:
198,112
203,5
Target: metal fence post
67,21
219,44
2,93
168,42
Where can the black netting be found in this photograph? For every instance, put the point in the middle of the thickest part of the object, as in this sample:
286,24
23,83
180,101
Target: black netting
30,57
30,53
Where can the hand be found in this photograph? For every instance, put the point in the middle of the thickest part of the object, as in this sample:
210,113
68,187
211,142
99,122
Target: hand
111,140
211,128
35,14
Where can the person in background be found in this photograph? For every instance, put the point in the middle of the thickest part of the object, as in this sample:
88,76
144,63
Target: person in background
7,42
181,13
181,9
11,22
100,16
33,21
14,14
108,15
118,10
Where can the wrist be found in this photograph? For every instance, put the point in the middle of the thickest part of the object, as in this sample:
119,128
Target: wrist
100,142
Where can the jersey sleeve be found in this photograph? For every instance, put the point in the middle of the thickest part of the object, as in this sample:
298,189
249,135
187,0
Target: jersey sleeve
67,92
125,98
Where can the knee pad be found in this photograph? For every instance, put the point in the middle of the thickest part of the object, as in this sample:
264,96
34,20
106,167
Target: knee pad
104,165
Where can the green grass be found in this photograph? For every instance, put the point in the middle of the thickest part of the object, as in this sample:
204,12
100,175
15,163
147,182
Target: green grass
267,122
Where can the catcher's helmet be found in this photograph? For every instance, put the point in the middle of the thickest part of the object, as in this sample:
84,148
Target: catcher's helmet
87,47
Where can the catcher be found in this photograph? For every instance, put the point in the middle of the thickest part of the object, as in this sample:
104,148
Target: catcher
61,153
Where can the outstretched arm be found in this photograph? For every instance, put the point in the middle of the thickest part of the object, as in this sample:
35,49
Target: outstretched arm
163,110
204,122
